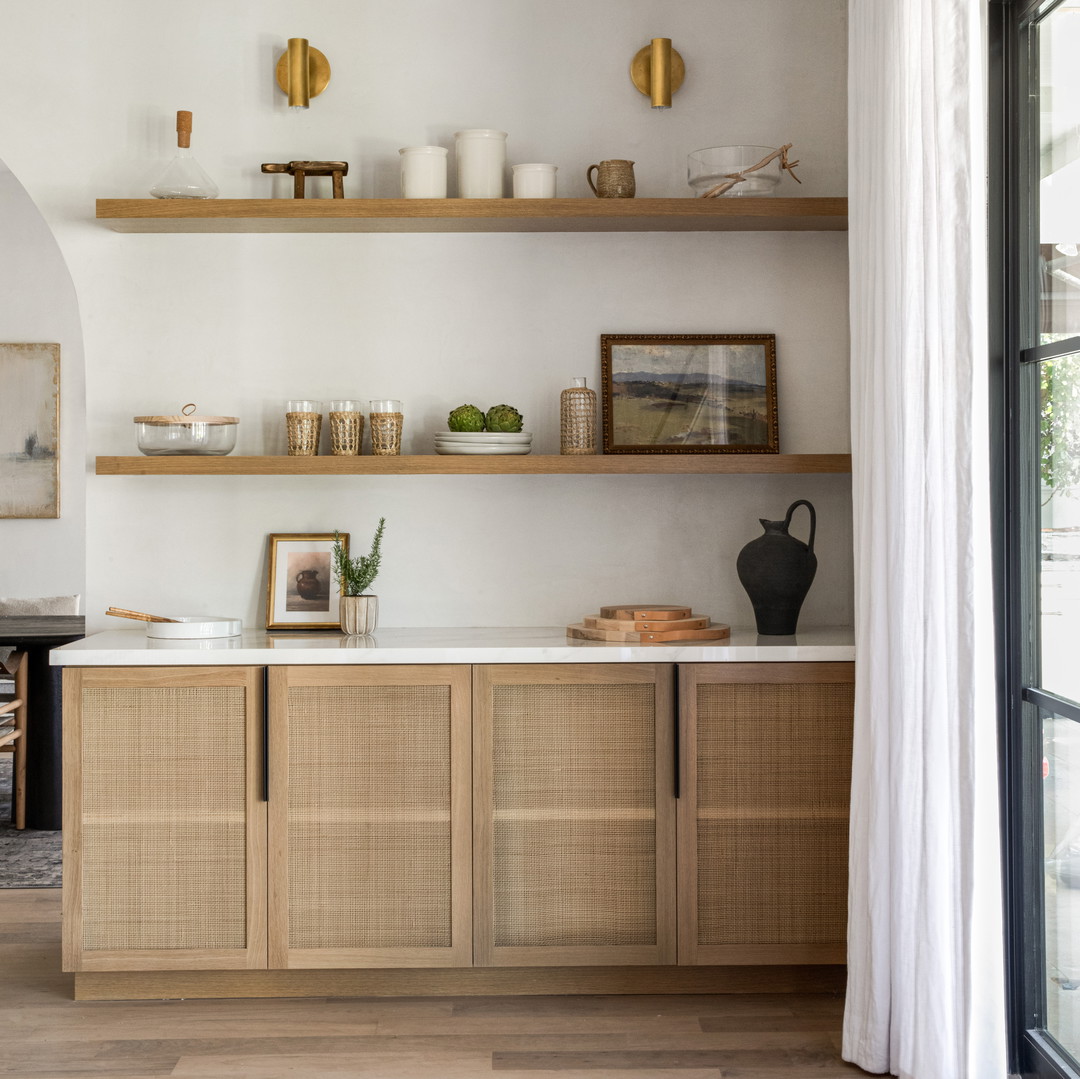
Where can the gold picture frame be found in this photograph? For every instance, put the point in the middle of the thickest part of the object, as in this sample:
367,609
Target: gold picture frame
689,393
300,592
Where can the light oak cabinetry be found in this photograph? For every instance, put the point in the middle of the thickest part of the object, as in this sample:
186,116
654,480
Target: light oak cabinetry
536,815
370,817
164,826
574,814
763,812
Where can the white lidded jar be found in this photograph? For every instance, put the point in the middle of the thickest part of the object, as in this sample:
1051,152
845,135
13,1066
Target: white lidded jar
423,172
481,163
534,181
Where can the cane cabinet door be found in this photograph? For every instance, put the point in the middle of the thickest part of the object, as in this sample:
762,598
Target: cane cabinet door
763,816
369,816
574,814
164,823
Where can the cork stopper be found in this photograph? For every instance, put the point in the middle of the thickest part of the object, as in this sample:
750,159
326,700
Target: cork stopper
183,128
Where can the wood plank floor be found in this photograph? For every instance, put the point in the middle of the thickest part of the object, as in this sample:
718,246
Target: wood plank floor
47,1035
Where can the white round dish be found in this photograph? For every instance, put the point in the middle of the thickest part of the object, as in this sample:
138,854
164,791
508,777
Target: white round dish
193,627
460,448
483,436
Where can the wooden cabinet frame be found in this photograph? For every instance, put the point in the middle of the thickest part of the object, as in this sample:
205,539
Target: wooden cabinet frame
281,679
485,678
690,677
75,956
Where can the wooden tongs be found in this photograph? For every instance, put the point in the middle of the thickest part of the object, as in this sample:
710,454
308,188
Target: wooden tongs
139,616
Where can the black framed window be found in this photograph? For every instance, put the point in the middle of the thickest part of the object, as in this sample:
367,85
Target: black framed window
1035,146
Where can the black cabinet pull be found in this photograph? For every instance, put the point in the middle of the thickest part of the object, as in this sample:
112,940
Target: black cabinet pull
678,747
266,734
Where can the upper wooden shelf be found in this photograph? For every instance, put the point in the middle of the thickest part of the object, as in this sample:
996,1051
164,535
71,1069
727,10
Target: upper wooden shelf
435,465
475,215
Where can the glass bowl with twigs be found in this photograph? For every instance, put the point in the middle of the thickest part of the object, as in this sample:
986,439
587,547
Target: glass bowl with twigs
725,171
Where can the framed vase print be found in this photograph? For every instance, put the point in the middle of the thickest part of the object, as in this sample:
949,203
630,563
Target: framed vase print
689,393
300,590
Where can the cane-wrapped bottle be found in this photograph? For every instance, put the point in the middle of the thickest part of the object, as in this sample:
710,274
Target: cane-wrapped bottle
185,177
577,419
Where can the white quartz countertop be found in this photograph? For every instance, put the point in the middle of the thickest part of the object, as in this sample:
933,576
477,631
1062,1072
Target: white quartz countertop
131,648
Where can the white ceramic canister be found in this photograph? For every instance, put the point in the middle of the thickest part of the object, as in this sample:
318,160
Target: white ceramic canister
481,162
534,181
423,172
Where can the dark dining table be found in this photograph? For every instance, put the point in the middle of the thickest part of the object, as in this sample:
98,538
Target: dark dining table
36,634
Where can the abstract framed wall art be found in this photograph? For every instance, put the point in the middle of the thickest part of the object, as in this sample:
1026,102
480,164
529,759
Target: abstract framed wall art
689,393
30,432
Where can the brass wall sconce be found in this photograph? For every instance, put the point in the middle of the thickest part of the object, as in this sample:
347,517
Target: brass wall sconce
302,72
658,71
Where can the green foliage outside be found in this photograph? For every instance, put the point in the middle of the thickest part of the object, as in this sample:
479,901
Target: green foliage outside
1059,423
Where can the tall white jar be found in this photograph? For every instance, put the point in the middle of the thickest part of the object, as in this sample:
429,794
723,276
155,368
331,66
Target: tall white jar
481,163
423,172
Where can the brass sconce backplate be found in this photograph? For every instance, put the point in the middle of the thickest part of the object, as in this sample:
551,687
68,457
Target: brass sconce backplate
318,71
641,70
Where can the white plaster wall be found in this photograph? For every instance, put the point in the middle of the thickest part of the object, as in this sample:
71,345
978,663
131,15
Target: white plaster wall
240,323
38,305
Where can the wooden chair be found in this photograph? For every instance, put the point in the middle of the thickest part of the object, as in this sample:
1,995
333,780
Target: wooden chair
13,736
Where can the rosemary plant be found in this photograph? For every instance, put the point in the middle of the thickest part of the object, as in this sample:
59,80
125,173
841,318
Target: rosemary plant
355,575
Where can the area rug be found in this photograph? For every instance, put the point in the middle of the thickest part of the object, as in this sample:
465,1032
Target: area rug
28,859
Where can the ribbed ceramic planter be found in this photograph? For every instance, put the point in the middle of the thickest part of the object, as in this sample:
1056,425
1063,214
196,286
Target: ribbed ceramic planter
359,615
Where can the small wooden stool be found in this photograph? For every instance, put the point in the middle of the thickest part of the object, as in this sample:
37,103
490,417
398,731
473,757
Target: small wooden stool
299,170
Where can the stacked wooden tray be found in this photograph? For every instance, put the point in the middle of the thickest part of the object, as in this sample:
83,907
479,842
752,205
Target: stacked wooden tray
647,623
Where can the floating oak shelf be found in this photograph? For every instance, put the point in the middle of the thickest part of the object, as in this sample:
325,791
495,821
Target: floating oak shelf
475,215
497,465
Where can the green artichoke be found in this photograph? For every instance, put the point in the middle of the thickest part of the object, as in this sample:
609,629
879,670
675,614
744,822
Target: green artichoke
465,418
504,418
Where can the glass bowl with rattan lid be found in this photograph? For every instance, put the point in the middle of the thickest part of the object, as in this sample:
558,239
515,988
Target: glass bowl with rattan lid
188,434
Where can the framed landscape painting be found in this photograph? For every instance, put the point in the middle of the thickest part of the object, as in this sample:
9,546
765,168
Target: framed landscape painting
300,589
30,433
689,393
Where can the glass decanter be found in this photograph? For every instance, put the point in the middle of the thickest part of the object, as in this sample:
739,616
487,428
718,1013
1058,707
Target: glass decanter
185,178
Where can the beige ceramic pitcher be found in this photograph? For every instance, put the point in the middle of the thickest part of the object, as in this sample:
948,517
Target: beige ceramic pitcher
614,179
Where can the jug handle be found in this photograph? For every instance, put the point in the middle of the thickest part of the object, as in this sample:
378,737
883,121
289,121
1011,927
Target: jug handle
813,520
588,177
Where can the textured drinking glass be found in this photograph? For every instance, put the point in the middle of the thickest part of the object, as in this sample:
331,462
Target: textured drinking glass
346,428
481,162
423,172
534,181
303,425
386,422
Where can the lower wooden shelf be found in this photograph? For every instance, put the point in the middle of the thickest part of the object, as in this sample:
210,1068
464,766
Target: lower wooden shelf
522,465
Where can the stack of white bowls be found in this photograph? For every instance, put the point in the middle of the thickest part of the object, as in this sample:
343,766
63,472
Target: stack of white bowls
478,442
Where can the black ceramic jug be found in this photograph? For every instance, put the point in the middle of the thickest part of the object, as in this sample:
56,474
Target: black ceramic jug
777,570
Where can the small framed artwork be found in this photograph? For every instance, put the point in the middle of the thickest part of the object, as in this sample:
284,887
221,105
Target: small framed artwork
30,433
689,393
300,591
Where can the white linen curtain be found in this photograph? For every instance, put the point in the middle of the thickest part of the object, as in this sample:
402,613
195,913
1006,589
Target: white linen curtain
925,953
